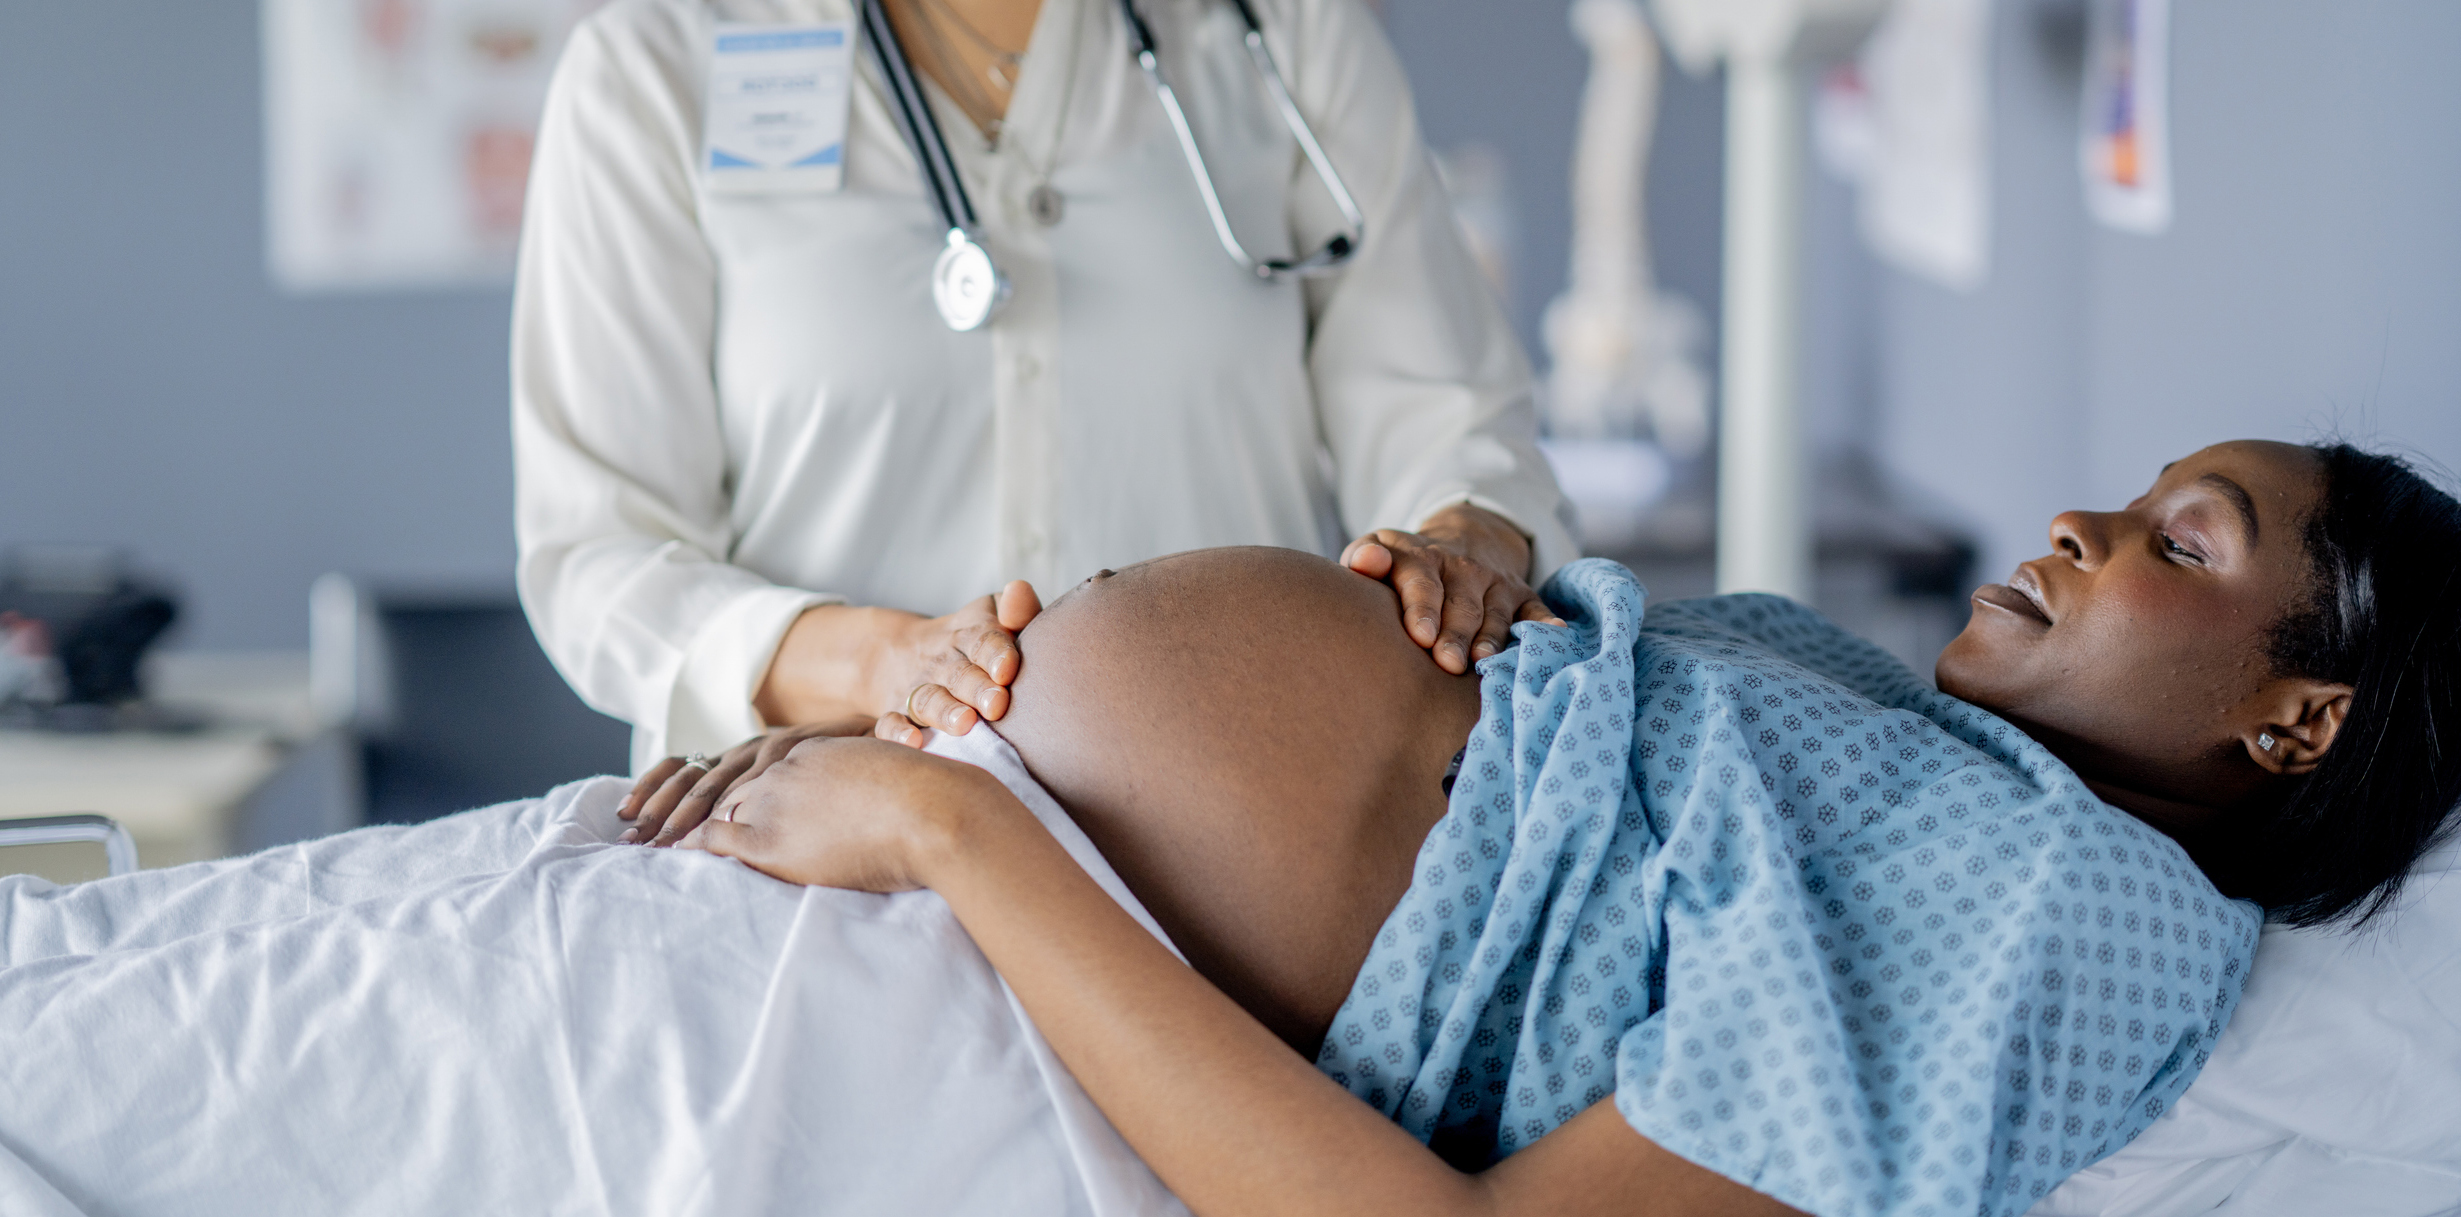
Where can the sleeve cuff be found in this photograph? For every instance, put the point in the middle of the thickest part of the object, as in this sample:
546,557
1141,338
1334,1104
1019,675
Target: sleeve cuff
710,708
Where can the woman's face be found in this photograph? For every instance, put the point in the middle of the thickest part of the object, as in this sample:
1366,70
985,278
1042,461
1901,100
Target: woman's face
2136,649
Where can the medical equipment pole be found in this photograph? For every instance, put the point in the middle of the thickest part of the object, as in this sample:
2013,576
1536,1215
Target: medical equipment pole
1764,539
1764,517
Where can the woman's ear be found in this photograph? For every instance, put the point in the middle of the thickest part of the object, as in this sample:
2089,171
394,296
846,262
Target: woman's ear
2297,720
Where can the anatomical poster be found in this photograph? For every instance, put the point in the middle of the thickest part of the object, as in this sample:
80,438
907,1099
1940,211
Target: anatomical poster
398,137
2125,144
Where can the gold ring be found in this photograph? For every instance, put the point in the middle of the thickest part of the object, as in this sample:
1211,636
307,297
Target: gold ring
909,711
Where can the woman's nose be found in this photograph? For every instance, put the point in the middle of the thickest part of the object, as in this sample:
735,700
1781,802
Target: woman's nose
2082,537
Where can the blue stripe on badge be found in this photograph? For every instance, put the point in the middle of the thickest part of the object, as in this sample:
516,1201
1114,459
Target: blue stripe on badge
824,157
780,40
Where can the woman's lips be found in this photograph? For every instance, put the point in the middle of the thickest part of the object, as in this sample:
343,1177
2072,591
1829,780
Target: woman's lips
2001,596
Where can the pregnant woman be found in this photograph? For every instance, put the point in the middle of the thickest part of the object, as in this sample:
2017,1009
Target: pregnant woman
1721,913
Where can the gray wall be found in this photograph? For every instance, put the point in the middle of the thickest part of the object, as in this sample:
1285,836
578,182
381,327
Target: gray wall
2310,281
1510,76
158,395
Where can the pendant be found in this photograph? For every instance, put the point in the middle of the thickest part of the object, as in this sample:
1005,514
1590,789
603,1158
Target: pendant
1046,205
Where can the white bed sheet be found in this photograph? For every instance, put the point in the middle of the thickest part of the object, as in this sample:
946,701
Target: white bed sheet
500,1012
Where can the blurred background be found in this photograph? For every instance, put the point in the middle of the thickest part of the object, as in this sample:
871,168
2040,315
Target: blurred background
2002,258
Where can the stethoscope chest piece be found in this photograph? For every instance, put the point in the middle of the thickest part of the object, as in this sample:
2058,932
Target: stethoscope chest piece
965,284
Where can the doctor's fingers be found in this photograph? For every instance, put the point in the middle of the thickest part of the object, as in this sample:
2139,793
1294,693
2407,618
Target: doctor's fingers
899,729
1017,605
987,642
1418,577
932,705
1504,599
1535,609
1466,600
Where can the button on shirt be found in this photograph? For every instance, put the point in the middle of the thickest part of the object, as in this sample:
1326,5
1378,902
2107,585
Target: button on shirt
730,407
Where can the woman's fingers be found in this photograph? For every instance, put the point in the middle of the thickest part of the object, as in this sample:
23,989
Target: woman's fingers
648,786
702,796
655,810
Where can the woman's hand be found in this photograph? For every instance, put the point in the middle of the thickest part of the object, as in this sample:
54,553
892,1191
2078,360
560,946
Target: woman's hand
851,813
1462,582
674,797
842,661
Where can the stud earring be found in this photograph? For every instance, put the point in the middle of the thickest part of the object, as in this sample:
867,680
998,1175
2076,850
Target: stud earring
2264,740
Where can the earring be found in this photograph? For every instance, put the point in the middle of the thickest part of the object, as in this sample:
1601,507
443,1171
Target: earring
2264,740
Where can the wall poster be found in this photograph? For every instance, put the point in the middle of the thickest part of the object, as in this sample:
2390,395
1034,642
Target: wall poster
398,137
2125,149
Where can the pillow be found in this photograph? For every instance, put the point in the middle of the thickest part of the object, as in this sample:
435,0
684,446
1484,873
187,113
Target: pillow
2336,1088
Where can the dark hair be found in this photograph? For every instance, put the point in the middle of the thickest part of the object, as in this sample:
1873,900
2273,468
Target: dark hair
2385,618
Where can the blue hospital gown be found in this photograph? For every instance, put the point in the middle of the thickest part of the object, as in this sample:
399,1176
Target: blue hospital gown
1815,926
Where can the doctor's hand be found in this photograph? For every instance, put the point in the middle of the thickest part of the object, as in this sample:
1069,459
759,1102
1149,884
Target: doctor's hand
1462,578
675,796
843,661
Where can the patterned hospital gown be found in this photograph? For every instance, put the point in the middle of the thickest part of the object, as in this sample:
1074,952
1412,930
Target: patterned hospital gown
1814,925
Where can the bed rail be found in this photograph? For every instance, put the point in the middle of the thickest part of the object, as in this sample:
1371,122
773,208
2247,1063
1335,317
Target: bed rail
119,849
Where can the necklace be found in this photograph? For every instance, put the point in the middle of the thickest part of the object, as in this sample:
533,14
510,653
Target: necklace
1044,202
987,113
1002,70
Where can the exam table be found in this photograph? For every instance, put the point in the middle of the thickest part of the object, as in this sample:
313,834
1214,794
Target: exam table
119,849
2326,1094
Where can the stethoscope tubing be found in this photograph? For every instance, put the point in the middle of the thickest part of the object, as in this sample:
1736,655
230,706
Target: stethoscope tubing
948,191
1334,252
920,127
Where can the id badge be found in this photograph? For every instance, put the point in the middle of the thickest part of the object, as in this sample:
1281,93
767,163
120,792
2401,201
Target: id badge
775,119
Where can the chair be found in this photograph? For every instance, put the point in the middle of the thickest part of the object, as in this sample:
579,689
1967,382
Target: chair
451,700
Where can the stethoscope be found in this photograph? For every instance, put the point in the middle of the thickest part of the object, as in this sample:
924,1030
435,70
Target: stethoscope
967,285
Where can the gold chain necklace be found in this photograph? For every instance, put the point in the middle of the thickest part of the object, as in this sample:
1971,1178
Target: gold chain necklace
1002,70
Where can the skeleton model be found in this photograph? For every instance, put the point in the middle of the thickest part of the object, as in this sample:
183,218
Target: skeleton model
1623,353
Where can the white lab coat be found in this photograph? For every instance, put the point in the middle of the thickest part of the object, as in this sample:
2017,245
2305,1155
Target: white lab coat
728,408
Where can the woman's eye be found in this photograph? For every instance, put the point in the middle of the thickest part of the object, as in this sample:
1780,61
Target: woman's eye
2170,545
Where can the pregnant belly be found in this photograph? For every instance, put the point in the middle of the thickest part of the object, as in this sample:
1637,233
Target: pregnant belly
1260,766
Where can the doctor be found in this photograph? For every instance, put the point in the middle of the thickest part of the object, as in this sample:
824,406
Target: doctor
834,315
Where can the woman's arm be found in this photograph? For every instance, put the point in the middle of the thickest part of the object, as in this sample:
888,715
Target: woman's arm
840,668
1229,1117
